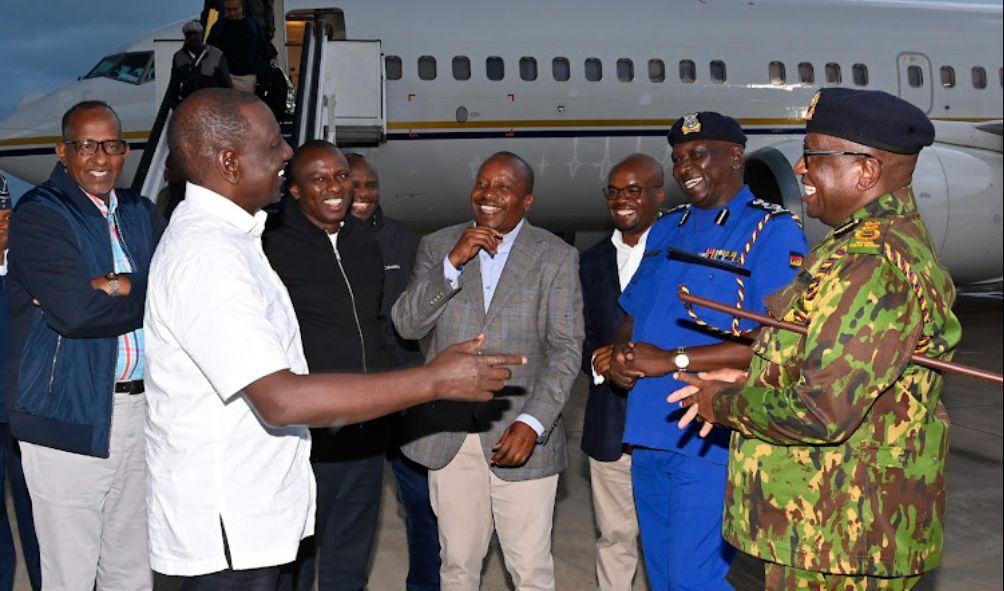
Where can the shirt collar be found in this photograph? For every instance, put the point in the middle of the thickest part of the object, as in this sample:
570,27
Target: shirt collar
887,205
213,203
618,240
106,210
510,238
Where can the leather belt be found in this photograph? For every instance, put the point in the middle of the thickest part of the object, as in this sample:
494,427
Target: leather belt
133,387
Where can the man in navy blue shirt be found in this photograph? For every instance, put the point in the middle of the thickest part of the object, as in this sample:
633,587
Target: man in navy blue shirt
678,477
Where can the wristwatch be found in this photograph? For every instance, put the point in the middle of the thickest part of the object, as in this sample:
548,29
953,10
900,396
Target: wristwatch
113,281
682,360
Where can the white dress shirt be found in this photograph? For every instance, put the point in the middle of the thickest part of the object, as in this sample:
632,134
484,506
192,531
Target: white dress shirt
217,319
491,272
628,260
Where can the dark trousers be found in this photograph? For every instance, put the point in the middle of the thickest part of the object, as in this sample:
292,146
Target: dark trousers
348,511
419,521
255,579
10,470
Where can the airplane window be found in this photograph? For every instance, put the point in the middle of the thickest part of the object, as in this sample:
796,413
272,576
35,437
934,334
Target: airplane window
124,67
656,70
427,67
461,68
860,72
979,77
806,73
104,66
688,71
561,69
528,68
777,73
833,74
915,76
717,68
392,67
948,76
594,69
495,68
625,70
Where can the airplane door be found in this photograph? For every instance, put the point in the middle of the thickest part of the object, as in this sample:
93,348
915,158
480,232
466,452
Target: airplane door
915,83
351,96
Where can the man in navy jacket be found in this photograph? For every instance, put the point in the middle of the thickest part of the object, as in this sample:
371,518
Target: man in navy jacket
634,192
10,453
80,251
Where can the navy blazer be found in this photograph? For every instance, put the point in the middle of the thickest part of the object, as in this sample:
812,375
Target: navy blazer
603,427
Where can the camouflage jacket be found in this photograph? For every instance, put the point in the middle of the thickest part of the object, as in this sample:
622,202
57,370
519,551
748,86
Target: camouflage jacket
837,460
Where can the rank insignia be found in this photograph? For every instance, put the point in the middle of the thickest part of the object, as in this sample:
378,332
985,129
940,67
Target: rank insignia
795,259
867,235
812,107
691,124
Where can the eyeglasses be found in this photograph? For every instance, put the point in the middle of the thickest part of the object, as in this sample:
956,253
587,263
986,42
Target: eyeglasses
632,191
806,153
88,148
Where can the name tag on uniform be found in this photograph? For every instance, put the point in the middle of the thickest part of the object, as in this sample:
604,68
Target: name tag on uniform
392,267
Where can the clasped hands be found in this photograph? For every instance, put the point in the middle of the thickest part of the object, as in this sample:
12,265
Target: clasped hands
624,363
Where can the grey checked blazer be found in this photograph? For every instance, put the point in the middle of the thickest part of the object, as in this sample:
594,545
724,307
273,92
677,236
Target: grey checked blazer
536,312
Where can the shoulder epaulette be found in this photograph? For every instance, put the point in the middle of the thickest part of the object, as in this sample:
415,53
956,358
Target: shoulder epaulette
868,237
773,208
672,210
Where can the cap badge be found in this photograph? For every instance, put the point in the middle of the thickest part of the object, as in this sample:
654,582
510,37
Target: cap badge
691,124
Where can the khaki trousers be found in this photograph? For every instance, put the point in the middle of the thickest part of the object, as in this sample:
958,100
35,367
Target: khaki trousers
471,502
90,513
245,83
613,506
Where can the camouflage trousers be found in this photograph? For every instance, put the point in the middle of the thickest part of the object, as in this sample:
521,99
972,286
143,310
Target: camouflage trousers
780,577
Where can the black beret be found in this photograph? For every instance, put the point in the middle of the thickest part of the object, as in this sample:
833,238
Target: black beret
706,125
870,117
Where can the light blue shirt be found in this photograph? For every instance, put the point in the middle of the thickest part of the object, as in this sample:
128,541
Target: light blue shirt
491,272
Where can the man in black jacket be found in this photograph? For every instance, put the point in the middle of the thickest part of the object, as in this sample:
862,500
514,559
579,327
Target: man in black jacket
398,246
331,265
634,192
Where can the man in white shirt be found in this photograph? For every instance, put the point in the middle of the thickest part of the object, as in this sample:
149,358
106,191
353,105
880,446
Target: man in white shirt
230,491
634,192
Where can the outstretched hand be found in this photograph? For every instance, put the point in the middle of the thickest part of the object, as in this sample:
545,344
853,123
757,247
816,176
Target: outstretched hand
462,373
699,394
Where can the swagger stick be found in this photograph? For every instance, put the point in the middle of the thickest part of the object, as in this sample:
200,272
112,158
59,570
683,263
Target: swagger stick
929,362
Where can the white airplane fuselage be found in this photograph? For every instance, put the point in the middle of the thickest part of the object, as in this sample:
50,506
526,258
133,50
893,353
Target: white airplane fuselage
573,131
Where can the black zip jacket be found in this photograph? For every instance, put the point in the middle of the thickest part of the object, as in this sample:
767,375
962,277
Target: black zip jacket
337,301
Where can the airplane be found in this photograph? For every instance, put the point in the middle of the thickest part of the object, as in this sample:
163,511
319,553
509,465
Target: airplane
427,90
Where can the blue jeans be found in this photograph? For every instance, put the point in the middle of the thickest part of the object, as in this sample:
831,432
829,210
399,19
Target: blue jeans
420,523
679,503
10,469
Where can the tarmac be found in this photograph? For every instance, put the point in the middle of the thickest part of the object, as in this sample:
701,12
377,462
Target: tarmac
973,543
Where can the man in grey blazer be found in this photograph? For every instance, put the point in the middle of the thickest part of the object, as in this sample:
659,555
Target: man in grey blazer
495,465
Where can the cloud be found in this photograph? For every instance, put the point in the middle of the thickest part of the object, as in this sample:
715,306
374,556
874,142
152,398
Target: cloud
45,45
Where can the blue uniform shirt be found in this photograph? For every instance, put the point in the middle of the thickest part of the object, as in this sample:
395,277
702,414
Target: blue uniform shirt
660,318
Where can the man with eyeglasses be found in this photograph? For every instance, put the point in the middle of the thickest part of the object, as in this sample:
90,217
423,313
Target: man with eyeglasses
836,470
80,252
633,194
725,245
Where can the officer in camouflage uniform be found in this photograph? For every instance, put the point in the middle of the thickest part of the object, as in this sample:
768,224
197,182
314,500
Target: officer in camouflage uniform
836,467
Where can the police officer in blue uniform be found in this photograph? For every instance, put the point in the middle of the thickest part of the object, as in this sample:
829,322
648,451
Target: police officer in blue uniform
726,245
